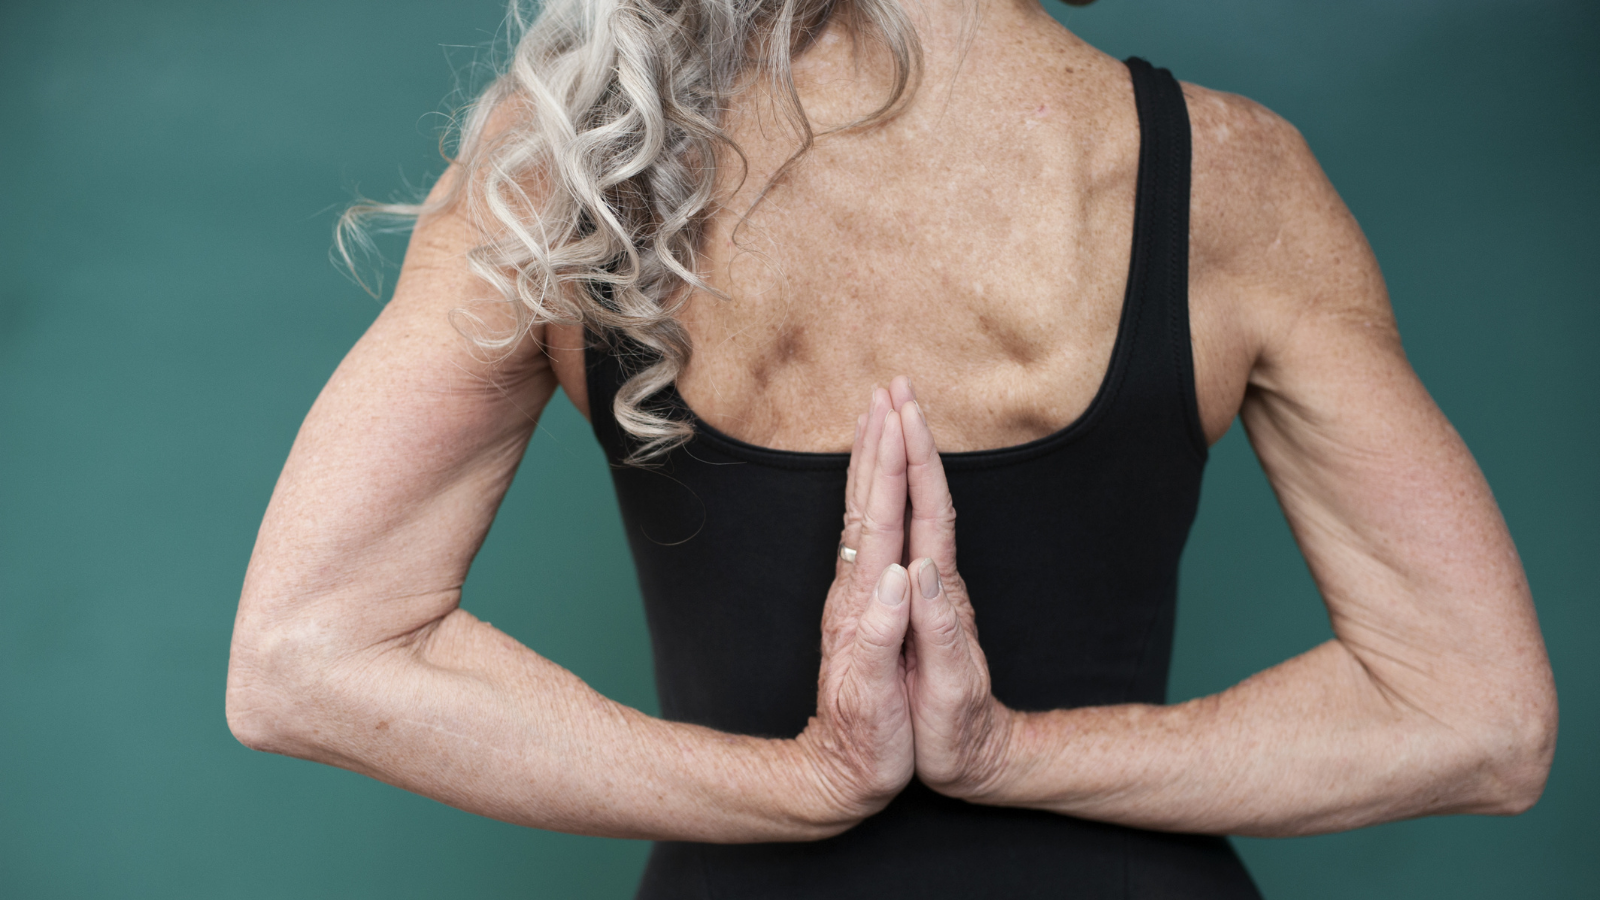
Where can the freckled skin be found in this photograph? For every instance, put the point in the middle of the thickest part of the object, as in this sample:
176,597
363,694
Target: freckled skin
978,243
994,216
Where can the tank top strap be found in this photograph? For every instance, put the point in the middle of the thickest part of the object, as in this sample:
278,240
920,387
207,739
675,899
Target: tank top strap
1151,386
1158,382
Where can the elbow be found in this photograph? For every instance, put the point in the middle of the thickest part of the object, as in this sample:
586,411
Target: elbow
1517,751
267,680
257,711
252,725
1518,783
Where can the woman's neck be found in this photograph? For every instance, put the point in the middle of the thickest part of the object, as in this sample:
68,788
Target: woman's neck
840,80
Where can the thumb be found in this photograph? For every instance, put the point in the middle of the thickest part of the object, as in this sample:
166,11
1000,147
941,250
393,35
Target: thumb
937,634
881,630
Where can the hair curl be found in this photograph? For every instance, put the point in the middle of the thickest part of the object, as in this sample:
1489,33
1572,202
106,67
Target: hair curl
594,202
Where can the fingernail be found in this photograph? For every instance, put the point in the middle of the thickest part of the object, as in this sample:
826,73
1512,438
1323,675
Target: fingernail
928,577
892,586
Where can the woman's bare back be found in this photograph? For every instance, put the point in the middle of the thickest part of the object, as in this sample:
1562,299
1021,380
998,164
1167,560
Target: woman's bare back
979,243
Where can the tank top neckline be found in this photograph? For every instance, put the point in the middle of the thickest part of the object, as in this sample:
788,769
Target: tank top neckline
1074,429
1146,223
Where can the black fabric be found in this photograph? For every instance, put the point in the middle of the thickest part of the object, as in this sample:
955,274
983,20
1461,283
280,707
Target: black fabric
1069,545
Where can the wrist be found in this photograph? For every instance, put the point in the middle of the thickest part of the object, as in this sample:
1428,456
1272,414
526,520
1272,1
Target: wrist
829,797
990,768
737,788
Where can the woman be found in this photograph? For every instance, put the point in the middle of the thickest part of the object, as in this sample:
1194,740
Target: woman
716,229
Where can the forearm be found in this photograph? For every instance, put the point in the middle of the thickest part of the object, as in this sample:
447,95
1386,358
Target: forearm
462,713
1436,697
1312,745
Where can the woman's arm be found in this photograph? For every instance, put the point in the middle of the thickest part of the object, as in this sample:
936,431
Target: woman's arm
350,647
1435,695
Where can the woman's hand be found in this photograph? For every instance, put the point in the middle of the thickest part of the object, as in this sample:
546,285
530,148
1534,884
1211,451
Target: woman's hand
963,734
873,698
859,745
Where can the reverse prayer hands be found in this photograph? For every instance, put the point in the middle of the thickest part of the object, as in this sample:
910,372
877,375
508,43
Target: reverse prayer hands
897,495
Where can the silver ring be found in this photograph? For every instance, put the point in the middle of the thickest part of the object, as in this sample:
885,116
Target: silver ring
847,554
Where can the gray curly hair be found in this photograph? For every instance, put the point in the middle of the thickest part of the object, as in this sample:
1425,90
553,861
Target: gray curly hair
593,205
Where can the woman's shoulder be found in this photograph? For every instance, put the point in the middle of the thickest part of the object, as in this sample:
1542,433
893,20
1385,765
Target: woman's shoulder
1253,173
1269,241
1270,238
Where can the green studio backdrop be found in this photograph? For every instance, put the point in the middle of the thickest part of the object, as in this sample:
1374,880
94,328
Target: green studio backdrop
168,311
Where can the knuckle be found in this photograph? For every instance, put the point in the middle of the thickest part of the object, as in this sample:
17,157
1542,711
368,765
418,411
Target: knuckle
835,616
833,633
851,538
877,633
956,590
862,584
945,629
871,526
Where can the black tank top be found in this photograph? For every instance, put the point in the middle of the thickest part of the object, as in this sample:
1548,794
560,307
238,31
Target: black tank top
1069,546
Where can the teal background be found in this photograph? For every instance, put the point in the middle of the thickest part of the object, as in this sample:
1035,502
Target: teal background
168,311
